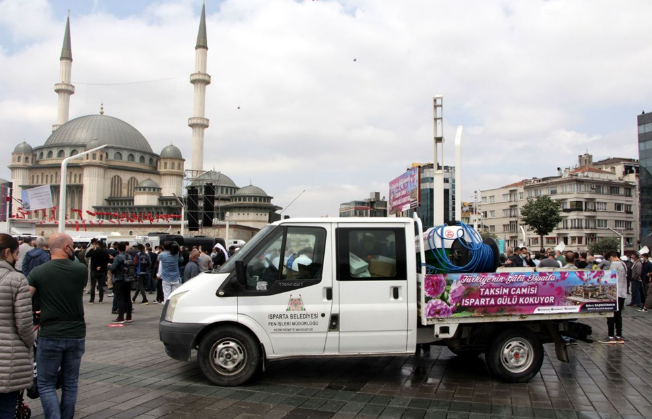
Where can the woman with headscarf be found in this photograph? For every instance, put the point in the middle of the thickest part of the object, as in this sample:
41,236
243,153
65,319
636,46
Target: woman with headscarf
16,328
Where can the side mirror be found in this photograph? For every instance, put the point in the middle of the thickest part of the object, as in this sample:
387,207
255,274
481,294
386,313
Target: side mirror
240,273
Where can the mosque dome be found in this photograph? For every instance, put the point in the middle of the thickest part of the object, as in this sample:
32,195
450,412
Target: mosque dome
106,129
251,190
216,178
148,183
23,148
171,152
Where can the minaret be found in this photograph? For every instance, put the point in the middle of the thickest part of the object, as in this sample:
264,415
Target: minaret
64,89
200,80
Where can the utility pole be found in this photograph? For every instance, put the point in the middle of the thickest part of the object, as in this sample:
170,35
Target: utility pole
63,193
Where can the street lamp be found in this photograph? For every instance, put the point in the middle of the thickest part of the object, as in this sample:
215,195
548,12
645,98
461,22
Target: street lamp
63,194
622,241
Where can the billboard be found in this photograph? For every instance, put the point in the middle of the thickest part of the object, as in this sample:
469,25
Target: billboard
405,191
517,293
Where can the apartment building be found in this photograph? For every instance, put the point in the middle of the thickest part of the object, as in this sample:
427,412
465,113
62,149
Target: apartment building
596,199
371,207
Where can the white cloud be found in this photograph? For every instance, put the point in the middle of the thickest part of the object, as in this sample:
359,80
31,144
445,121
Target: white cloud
523,77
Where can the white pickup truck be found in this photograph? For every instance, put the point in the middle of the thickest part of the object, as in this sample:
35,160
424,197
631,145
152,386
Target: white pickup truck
355,287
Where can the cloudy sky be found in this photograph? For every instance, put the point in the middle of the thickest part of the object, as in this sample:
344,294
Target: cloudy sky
335,97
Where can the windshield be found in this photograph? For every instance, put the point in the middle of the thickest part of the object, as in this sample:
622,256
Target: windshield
228,266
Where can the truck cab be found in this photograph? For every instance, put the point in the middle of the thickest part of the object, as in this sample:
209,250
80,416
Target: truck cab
323,286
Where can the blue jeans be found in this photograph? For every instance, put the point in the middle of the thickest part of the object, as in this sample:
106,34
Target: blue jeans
52,354
8,405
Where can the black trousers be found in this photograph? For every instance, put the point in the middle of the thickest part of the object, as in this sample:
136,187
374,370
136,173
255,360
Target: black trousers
617,319
140,287
97,280
122,291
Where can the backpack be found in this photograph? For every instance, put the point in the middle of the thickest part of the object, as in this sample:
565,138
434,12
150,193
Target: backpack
129,268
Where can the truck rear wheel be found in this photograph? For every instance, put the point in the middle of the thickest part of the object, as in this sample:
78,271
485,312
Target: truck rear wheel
229,356
515,355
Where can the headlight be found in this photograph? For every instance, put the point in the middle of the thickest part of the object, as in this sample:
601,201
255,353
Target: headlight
172,305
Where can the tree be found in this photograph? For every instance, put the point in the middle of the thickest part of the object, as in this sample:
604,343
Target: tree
601,246
541,215
488,235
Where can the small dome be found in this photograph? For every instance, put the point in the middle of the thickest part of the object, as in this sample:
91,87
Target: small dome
94,143
23,148
216,178
171,152
148,183
251,190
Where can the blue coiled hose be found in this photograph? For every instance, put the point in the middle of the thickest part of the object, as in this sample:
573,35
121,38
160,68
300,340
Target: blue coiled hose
482,256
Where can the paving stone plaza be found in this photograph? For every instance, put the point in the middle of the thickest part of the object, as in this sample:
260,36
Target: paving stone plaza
126,374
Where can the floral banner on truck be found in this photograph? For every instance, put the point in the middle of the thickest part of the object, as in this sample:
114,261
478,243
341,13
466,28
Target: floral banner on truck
506,293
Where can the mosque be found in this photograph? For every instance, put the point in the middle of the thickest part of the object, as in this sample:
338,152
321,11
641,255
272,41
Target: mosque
127,182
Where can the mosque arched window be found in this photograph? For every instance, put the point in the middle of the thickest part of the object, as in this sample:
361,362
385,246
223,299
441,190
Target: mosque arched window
32,179
141,160
151,161
26,159
73,153
18,159
172,165
40,155
117,156
130,157
50,154
61,154
116,186
165,165
131,186
101,156
94,156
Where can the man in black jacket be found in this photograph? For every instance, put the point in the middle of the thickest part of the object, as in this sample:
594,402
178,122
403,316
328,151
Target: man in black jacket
99,260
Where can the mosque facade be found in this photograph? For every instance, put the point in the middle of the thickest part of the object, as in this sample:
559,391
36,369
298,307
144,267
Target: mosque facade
127,181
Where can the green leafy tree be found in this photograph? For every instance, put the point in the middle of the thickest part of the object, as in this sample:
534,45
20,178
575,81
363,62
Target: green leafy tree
488,235
541,214
601,246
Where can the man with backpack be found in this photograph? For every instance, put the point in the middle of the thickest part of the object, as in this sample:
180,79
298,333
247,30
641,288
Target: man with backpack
123,269
143,263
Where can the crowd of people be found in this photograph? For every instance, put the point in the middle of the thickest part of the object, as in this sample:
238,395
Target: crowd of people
42,288
634,275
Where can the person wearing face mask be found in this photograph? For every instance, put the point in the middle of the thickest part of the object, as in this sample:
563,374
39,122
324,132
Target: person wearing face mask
527,258
16,328
59,287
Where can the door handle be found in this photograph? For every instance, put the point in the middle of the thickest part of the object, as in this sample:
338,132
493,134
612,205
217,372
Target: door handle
329,294
395,292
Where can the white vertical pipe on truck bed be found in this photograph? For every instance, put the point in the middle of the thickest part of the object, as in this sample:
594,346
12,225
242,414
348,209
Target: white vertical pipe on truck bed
458,173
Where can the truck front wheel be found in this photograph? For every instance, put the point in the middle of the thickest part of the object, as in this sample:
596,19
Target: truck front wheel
229,356
515,355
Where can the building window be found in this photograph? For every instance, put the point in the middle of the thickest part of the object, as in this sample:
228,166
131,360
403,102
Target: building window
61,154
492,199
619,207
151,161
116,186
600,206
73,153
131,186
117,156
40,155
141,159
26,159
614,190
552,190
172,165
628,191
94,156
165,165
551,241
130,157
50,154
601,223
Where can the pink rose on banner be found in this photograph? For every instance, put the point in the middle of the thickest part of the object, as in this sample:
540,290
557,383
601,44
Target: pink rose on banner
438,308
434,285
456,293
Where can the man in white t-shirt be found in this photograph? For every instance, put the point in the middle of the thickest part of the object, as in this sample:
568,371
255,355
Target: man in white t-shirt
25,247
304,258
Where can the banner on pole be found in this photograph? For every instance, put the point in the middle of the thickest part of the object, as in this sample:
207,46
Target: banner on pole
37,198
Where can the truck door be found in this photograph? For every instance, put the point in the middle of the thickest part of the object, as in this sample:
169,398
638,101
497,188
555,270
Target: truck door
372,289
289,289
